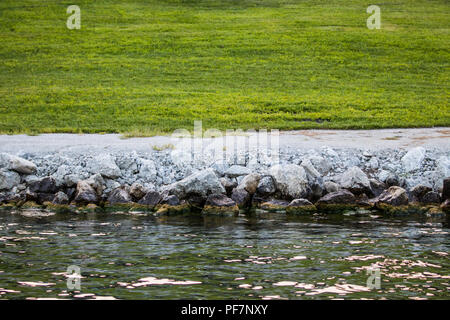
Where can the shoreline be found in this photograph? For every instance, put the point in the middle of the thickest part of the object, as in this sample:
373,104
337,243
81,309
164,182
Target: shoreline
307,172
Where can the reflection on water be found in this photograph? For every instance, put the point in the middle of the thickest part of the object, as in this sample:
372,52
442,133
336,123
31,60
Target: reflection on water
246,257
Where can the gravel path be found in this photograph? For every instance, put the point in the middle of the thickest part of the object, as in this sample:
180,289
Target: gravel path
364,139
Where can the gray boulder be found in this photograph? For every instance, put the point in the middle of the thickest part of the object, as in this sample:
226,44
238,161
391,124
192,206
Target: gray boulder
151,198
431,197
137,191
171,200
105,165
331,186
85,193
266,186
8,179
147,170
202,184
413,159
291,180
236,171
119,195
241,197
17,164
60,198
44,185
250,183
338,197
394,196
377,187
356,181
228,183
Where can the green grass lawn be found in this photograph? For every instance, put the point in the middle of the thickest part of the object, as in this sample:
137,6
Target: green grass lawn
146,67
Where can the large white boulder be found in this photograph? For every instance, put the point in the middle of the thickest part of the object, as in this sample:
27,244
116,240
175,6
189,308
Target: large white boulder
356,181
291,180
105,165
17,164
413,159
202,184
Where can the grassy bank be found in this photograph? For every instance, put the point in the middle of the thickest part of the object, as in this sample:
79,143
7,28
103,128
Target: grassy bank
145,67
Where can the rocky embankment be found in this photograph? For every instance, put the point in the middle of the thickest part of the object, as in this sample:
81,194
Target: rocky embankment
169,182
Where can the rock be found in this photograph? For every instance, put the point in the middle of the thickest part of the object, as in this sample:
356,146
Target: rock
85,193
431,197
151,198
97,183
300,206
147,170
445,206
250,183
413,159
44,197
60,198
241,197
44,185
394,196
105,165
202,184
219,204
266,186
337,198
356,181
137,191
373,164
443,166
119,196
331,186
446,189
8,179
322,165
418,192
220,167
274,205
228,183
392,180
171,200
377,187
17,164
291,180
311,172
236,171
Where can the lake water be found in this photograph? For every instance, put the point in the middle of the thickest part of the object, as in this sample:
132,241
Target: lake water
258,256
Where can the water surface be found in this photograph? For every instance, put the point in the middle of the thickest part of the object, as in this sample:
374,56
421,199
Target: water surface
273,256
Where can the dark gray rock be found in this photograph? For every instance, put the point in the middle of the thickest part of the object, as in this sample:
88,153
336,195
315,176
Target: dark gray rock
60,198
339,197
151,198
241,197
266,186
219,200
418,192
446,189
431,197
377,187
119,195
44,185
171,200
